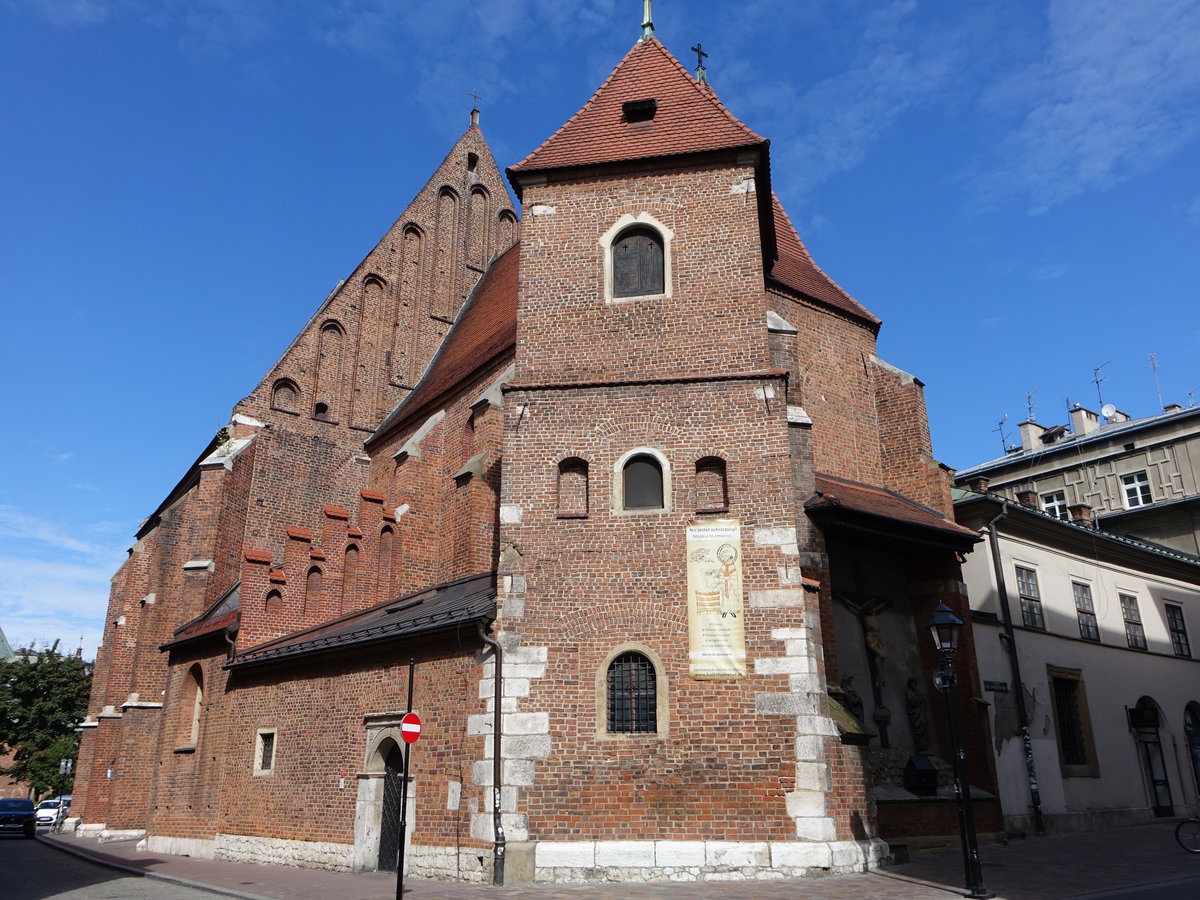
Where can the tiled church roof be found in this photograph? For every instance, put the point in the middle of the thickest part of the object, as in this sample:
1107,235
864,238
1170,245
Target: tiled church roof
841,494
795,269
689,118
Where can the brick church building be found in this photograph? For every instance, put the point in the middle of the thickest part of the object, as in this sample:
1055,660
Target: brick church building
627,482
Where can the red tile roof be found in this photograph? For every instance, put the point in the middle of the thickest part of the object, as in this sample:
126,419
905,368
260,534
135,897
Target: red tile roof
689,119
795,269
486,328
854,496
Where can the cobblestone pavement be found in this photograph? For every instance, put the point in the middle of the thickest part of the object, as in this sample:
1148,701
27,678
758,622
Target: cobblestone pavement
1049,868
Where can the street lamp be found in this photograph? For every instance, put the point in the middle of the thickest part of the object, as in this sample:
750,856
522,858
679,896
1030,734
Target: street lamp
945,627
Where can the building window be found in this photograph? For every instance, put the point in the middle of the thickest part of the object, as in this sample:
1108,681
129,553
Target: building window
632,695
642,476
264,751
1031,600
1134,633
1076,748
1175,624
1137,489
1055,504
711,490
572,488
1088,629
637,263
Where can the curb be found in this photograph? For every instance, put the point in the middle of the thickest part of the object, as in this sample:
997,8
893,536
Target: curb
155,876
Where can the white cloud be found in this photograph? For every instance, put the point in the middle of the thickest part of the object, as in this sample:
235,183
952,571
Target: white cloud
1113,95
73,13
23,526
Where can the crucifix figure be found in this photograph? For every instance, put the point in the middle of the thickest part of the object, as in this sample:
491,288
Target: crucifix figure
701,71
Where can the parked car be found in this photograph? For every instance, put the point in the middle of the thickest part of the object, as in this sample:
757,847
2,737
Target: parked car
47,811
17,816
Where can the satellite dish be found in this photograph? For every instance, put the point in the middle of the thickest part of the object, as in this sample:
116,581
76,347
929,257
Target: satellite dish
1108,410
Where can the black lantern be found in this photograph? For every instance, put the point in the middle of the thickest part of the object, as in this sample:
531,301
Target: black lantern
945,627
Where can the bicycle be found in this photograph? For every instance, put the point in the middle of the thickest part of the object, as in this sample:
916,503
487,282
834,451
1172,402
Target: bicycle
1187,833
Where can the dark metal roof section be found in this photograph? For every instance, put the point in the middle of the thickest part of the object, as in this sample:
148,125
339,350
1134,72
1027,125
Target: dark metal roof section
222,615
435,609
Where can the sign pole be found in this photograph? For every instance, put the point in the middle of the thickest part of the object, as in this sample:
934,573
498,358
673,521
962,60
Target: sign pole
408,713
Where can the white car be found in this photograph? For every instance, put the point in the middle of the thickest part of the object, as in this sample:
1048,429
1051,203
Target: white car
47,811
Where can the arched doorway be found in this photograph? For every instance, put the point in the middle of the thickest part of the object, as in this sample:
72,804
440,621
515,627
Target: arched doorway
1191,729
1145,719
389,824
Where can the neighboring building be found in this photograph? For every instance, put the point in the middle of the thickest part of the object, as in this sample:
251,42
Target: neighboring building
652,493
1105,629
1138,476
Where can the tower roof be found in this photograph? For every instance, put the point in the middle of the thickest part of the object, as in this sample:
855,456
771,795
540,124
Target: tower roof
687,118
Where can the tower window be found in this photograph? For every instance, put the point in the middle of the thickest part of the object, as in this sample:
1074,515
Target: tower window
632,695
643,477
637,263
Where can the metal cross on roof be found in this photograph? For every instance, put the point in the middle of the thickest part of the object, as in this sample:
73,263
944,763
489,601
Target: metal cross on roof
475,97
701,71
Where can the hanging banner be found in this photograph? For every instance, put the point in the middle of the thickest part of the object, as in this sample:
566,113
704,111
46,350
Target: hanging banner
716,640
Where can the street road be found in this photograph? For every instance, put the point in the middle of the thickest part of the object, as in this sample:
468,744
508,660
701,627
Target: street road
29,870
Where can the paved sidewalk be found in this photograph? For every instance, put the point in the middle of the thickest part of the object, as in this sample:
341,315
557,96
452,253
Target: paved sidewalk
1049,868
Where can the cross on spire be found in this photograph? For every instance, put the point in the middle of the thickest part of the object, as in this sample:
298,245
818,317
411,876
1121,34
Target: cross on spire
701,71
475,98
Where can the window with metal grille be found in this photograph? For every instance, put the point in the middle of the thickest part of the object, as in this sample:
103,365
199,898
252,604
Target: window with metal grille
1031,599
1134,633
1175,624
1088,629
643,478
1137,489
1073,745
264,756
632,695
637,263
1055,504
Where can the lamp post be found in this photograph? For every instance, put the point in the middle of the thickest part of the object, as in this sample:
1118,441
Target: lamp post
945,627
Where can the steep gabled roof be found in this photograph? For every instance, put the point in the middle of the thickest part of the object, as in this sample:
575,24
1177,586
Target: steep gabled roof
486,327
794,268
689,118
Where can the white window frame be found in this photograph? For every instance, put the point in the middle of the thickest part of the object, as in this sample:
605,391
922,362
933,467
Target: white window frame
618,484
625,222
259,768
1055,504
1136,489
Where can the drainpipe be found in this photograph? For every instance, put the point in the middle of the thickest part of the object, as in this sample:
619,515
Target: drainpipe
497,823
1010,638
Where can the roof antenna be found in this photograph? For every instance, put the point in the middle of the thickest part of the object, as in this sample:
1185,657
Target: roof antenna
1003,436
475,98
701,71
1157,384
647,22
1030,406
1096,379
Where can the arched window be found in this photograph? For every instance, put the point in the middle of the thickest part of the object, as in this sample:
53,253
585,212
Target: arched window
386,540
632,695
274,601
349,577
711,491
312,591
637,263
642,482
572,488
285,395
329,368
193,702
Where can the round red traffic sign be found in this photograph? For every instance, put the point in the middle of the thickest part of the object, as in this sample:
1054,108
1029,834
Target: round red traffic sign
410,728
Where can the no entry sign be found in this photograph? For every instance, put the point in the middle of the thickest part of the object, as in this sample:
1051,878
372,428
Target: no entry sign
410,728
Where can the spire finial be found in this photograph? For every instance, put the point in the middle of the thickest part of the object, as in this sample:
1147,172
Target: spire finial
701,71
647,22
475,98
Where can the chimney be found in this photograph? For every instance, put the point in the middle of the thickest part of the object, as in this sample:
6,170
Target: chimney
1119,416
1081,514
1172,408
1027,496
1031,433
978,484
1083,421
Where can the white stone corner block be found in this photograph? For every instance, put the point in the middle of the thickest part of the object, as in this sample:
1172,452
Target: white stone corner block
527,723
816,829
780,598
813,776
510,514
806,804
774,537
848,855
801,854
527,655
783,665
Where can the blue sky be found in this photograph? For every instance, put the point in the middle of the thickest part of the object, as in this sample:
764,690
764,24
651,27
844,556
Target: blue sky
1013,186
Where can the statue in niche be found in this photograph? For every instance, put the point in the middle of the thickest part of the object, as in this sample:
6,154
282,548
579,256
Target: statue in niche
918,715
875,646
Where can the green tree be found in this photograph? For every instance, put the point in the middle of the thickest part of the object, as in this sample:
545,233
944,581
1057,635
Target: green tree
43,697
